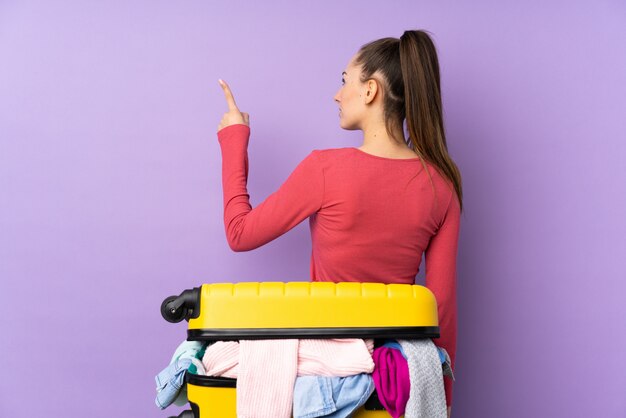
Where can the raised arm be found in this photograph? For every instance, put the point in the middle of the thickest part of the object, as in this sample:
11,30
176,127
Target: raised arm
297,198
441,280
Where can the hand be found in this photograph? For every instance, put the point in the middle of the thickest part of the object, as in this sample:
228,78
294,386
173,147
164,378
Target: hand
233,116
449,411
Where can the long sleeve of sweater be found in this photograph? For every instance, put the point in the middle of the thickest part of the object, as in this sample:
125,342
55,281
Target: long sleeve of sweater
297,198
441,280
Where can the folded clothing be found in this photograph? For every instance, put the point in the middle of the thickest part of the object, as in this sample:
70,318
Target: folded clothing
332,397
320,357
264,391
443,356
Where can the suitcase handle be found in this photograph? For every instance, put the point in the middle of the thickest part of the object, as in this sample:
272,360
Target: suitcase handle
185,306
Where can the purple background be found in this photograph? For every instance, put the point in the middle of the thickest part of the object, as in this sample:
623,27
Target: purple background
111,199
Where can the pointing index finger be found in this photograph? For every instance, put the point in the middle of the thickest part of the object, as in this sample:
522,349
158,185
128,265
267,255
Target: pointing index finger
230,100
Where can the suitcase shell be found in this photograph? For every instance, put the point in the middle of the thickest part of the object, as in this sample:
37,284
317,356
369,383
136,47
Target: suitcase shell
268,310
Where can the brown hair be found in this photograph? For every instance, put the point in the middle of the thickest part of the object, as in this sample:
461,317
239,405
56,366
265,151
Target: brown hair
411,89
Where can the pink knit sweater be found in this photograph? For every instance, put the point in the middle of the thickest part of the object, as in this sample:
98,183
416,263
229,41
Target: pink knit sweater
371,219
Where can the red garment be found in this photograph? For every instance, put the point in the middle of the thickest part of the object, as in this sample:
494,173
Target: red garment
371,218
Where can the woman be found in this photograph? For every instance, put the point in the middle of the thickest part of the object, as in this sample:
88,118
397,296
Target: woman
374,209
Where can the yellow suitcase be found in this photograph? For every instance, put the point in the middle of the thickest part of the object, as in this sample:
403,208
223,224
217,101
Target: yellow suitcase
267,310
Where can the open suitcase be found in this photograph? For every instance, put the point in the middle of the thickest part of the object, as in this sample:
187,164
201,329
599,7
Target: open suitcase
265,310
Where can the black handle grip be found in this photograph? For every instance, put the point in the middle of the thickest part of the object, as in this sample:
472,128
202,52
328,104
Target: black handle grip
185,306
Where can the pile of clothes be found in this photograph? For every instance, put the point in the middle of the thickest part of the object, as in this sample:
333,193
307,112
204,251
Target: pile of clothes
307,378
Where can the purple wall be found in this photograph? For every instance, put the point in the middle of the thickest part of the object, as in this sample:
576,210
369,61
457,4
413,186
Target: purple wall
110,187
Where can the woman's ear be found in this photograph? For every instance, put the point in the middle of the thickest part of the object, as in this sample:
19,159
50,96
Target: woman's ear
372,89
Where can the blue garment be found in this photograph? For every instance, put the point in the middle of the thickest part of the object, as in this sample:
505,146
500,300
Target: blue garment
326,396
442,356
196,367
396,345
169,382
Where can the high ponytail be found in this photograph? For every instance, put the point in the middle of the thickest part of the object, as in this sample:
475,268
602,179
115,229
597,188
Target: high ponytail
411,91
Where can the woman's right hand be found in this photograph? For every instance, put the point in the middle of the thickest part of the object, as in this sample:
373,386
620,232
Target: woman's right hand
233,116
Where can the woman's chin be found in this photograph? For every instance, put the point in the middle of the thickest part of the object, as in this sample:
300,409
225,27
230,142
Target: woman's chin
347,126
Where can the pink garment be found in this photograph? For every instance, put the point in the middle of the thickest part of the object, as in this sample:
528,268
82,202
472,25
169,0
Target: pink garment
322,357
222,359
267,374
391,379
266,369
335,357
